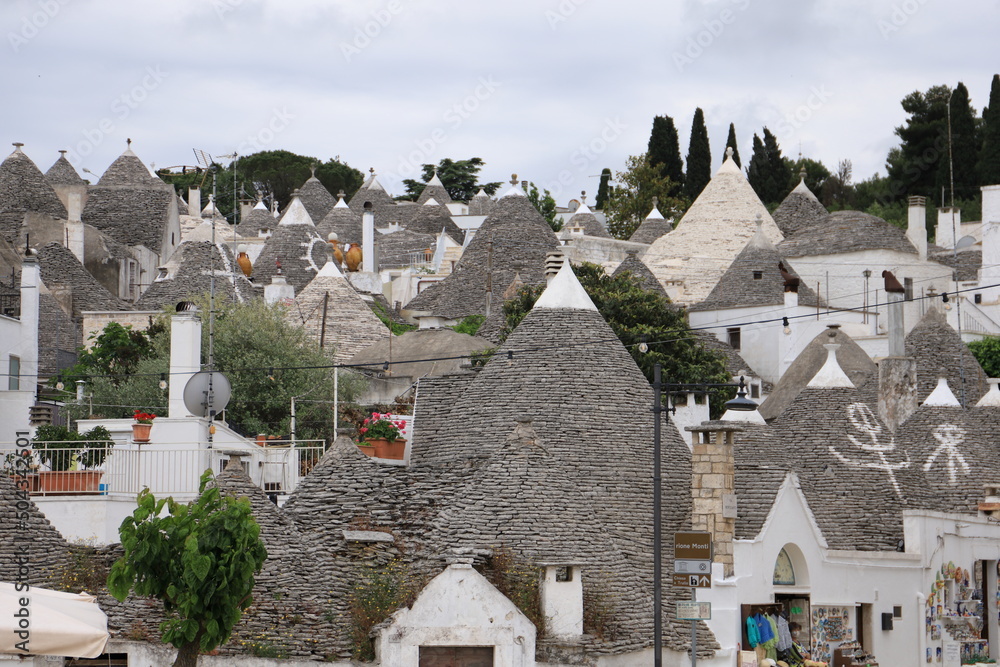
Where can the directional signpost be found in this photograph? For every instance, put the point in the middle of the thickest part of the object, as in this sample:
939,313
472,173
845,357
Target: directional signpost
693,568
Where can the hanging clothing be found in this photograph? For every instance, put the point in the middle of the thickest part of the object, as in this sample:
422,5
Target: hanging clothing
764,630
752,635
784,636
772,644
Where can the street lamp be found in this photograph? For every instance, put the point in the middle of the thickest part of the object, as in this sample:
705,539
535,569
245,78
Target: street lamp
740,404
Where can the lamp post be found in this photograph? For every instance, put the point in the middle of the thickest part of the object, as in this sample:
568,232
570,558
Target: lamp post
741,404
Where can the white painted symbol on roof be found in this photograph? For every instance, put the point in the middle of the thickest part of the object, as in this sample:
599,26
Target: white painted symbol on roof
950,437
866,423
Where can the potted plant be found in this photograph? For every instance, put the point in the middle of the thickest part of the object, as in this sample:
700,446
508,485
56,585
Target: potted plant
142,426
20,468
71,458
385,435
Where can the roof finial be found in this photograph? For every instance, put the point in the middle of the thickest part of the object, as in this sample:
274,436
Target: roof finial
341,194
312,170
656,201
62,153
759,221
583,197
802,174
513,180
17,146
128,143
372,170
729,152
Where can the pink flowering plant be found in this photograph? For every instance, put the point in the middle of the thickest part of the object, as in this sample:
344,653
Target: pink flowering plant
381,426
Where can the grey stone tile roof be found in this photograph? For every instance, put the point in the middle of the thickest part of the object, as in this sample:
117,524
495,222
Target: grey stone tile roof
848,462
846,231
259,218
589,223
132,214
651,229
758,478
62,173
300,250
421,344
854,361
798,211
316,198
739,286
351,325
344,222
940,352
383,205
519,234
436,191
432,219
735,364
633,265
398,248
192,265
59,336
481,204
966,262
128,169
23,188
61,268
28,534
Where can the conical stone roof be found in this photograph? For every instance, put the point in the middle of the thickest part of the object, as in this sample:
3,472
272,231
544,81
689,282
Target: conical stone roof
402,247
652,228
799,210
754,279
519,235
432,217
588,222
60,268
128,169
711,234
259,218
350,327
29,539
62,172
23,188
343,221
316,198
641,273
296,245
382,204
940,352
481,204
191,276
434,189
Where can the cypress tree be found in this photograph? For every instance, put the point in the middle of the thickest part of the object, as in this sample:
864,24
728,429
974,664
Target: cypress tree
988,166
664,151
757,169
602,189
964,148
731,143
779,173
699,157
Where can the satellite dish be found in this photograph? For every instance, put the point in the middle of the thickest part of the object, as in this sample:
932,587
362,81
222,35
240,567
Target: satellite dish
197,397
965,242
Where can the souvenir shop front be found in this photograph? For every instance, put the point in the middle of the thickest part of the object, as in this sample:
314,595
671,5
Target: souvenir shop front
960,604
794,630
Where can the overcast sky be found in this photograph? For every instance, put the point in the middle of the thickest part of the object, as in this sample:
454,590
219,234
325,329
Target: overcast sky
553,90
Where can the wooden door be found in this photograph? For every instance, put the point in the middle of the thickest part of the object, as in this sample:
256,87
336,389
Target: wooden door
456,656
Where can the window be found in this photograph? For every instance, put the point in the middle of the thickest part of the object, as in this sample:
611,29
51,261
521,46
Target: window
755,390
897,612
757,275
784,572
908,289
564,573
733,336
14,374
978,298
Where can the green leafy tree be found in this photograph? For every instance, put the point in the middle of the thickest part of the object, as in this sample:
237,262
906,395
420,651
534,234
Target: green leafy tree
544,204
913,166
603,189
116,351
732,143
965,143
987,353
267,359
459,177
988,165
199,559
664,153
699,157
836,191
816,174
632,199
637,315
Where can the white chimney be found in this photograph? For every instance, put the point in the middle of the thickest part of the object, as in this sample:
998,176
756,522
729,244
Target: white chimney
916,225
562,599
185,359
949,227
554,260
74,225
194,202
990,273
895,295
368,262
278,289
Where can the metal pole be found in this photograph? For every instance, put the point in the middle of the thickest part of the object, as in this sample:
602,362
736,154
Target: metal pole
292,421
336,397
322,328
694,637
657,537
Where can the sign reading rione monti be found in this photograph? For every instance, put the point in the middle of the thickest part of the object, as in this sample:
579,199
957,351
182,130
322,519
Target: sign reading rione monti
693,546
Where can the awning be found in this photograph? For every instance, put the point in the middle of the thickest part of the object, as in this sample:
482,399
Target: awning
40,621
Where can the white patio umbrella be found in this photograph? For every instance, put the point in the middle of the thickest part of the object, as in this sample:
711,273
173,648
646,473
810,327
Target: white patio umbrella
51,623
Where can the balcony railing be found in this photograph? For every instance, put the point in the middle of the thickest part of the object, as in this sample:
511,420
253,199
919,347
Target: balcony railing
125,470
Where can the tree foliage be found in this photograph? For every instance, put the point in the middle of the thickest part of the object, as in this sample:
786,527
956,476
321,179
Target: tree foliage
732,143
636,315
768,172
459,177
988,165
632,199
913,166
965,144
816,174
199,559
664,153
987,353
699,157
544,204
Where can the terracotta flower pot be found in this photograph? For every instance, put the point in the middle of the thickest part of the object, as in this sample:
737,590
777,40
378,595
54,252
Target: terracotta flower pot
385,449
367,448
140,432
69,482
